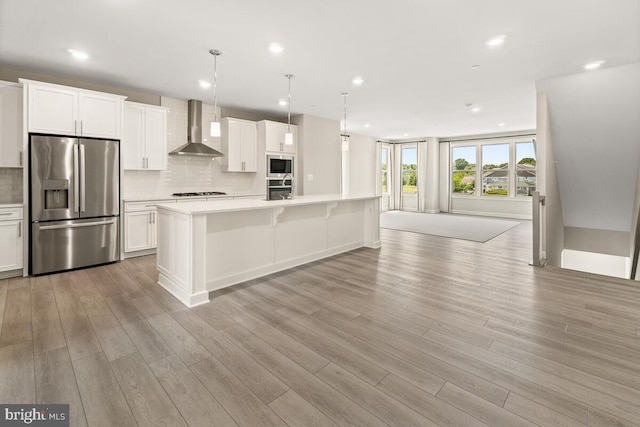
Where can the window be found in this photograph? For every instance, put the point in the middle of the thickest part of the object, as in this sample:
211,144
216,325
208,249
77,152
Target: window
525,169
464,170
384,169
409,170
508,168
495,170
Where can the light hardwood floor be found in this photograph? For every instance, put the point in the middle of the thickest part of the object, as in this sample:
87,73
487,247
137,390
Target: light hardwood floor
425,331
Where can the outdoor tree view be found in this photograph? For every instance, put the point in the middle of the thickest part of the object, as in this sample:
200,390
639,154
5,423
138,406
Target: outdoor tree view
464,170
384,167
495,169
409,170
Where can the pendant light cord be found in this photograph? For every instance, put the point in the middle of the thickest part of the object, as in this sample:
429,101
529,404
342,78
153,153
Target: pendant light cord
215,86
344,131
215,53
289,103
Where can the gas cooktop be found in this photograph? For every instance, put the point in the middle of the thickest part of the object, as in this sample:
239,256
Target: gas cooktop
200,193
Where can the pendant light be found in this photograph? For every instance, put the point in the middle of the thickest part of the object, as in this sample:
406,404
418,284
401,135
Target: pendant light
288,137
215,124
344,137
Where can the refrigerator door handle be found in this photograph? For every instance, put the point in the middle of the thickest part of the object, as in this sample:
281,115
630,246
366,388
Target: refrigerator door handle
83,168
82,224
76,186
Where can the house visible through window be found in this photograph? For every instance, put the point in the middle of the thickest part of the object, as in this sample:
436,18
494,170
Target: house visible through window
495,170
525,169
498,175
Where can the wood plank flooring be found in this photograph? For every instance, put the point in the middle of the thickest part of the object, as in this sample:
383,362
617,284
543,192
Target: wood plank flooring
426,331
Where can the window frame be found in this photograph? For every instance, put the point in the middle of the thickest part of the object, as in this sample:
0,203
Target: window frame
452,171
512,168
408,146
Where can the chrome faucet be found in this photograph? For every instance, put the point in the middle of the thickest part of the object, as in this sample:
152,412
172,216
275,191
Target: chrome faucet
284,180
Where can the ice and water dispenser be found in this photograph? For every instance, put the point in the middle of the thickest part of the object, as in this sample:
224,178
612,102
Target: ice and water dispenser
56,193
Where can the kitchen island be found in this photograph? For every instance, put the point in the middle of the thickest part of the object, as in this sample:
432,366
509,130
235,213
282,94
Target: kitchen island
204,246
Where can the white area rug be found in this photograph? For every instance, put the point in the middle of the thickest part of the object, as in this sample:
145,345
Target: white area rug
477,229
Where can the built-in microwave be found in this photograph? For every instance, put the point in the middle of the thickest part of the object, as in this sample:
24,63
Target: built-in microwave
279,165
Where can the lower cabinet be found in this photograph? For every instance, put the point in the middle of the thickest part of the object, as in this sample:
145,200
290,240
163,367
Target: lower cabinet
140,235
139,231
11,237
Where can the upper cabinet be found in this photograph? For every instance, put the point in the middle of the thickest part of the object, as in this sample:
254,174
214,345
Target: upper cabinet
11,155
272,134
144,141
63,110
239,144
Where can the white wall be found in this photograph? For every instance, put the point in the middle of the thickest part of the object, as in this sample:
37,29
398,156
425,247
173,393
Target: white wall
488,206
321,155
552,241
362,165
595,125
608,265
599,241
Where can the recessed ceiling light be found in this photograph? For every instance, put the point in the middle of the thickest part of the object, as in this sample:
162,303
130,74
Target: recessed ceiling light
367,125
79,55
475,110
406,134
276,48
282,103
495,41
593,65
204,84
500,124
357,81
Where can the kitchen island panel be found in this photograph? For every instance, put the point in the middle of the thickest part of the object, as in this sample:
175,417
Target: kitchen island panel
207,246
238,242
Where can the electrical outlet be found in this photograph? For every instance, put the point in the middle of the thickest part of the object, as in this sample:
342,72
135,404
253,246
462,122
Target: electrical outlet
310,177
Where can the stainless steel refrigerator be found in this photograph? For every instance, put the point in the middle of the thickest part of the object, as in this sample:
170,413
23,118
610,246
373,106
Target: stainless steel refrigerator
74,191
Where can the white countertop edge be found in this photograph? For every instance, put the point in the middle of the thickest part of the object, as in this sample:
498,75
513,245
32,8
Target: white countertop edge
11,205
199,208
195,198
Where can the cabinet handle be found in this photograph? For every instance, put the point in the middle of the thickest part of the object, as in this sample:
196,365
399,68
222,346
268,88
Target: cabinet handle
19,228
6,214
80,127
154,217
150,220
21,157
75,127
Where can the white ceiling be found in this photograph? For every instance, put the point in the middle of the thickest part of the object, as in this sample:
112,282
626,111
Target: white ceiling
415,55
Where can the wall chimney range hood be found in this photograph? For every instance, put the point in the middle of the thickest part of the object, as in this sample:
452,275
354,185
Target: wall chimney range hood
194,145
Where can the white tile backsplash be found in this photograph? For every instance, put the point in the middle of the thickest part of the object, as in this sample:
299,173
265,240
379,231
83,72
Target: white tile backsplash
186,173
11,188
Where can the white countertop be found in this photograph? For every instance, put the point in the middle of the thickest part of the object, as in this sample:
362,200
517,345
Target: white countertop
203,207
11,205
170,197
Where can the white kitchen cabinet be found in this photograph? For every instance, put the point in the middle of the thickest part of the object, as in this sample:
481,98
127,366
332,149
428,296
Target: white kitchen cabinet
240,145
11,155
11,238
144,142
63,110
140,227
271,134
140,230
